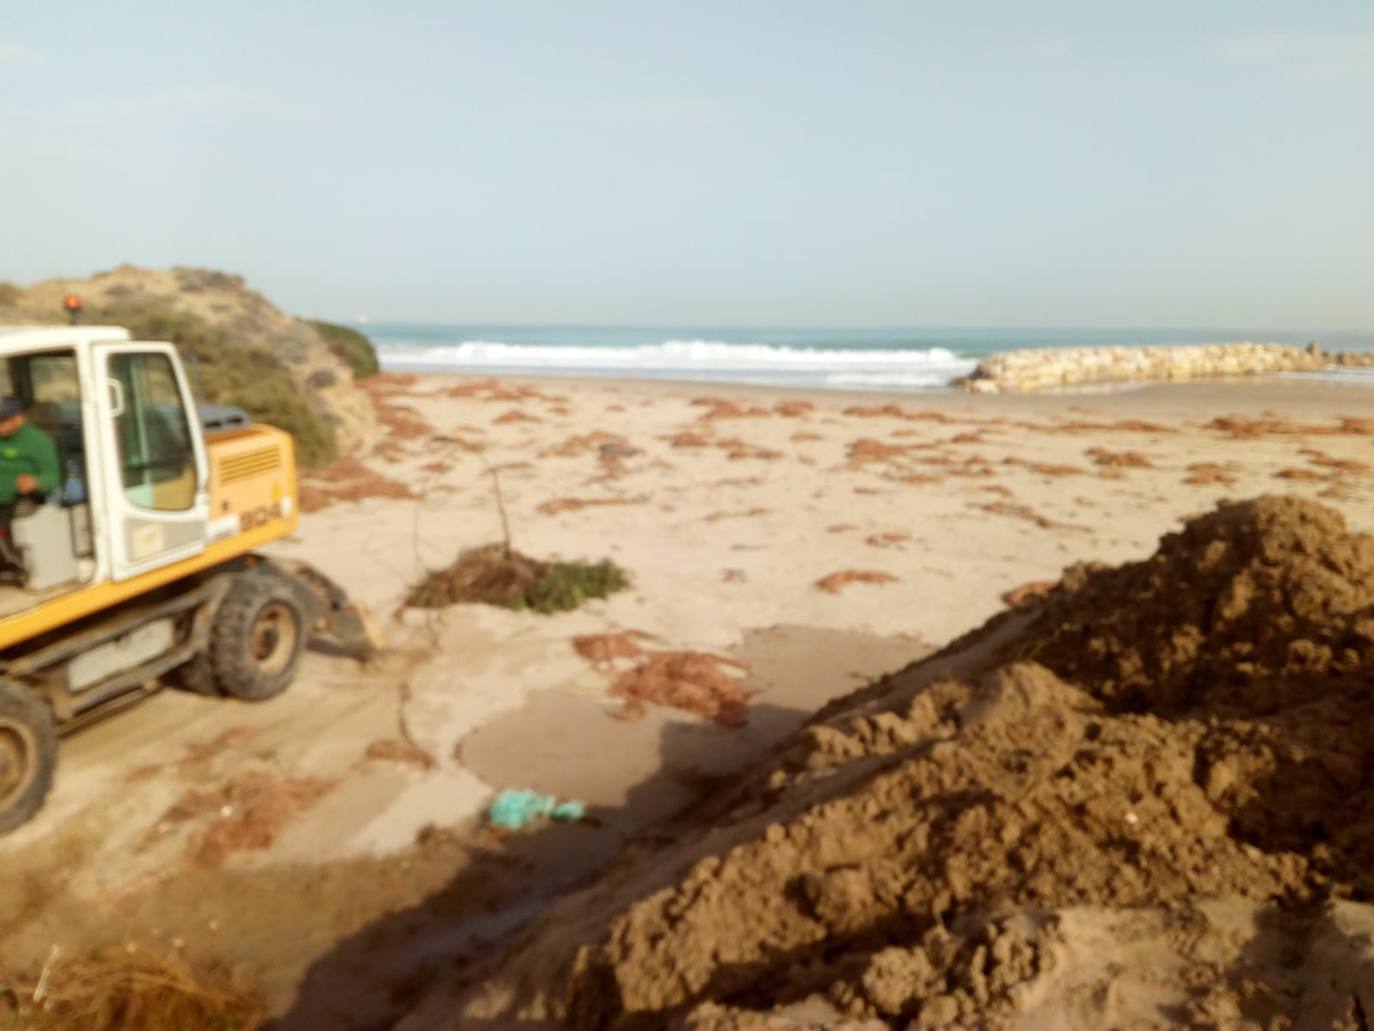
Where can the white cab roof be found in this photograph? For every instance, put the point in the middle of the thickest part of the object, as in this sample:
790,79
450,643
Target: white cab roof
15,338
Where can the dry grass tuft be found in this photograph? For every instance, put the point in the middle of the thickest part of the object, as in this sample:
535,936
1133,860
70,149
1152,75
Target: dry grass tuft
1204,474
1299,473
1119,459
724,408
556,505
1238,427
716,517
493,390
889,411
834,583
1046,468
689,438
596,440
128,988
1076,426
603,649
390,382
697,682
1024,512
738,450
348,480
889,539
246,814
393,749
1340,465
402,422
866,449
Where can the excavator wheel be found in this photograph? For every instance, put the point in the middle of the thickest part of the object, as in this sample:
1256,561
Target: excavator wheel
257,638
28,754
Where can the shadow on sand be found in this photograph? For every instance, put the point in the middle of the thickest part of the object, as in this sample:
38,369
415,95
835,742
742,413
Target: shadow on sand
635,776
369,979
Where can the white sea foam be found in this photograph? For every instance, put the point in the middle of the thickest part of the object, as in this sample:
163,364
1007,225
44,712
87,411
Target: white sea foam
1360,376
693,359
890,380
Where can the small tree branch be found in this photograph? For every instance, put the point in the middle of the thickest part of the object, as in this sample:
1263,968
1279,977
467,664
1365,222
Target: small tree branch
500,508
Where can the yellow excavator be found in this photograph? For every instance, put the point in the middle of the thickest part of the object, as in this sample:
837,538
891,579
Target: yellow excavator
142,567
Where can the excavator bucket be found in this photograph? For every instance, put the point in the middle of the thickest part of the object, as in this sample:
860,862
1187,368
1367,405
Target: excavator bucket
336,617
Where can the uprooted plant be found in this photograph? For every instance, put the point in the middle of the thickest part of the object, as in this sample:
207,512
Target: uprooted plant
495,574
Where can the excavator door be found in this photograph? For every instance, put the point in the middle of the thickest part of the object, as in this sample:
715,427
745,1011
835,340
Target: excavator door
154,471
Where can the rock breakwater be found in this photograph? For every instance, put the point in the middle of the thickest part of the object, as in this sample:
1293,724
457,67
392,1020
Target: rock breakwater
1044,368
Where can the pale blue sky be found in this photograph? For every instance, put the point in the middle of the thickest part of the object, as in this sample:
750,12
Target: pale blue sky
846,163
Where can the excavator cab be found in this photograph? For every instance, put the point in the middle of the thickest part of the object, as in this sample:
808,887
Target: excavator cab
121,417
141,566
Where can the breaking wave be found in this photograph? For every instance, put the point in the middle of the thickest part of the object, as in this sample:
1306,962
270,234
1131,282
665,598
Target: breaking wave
714,360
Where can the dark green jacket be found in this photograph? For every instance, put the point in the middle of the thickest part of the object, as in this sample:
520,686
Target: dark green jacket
28,450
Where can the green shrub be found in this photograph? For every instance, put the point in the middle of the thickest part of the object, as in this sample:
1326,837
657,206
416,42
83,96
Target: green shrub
566,585
351,346
226,372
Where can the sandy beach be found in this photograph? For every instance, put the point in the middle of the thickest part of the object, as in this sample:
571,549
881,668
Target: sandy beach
798,545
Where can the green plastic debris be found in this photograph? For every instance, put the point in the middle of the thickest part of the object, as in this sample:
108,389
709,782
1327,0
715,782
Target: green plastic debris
569,812
515,808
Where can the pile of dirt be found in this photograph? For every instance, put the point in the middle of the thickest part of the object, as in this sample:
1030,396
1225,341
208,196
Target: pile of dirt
1255,605
1145,799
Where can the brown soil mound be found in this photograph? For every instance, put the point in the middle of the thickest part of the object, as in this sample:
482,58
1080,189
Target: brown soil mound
1246,604
1167,817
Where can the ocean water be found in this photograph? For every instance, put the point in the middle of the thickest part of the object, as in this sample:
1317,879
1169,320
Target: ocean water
848,359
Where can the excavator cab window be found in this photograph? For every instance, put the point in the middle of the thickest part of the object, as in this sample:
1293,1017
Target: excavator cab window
48,548
49,385
157,457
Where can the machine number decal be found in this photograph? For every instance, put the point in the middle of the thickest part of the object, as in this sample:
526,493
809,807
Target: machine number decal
260,516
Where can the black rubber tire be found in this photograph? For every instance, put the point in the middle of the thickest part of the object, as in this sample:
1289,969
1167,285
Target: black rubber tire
249,659
28,755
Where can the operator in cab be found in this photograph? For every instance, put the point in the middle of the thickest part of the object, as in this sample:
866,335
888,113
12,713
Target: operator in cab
29,468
